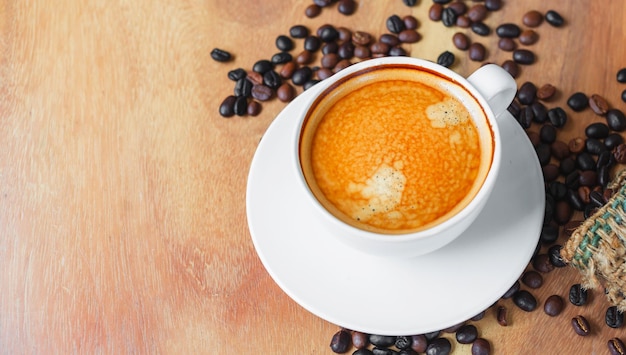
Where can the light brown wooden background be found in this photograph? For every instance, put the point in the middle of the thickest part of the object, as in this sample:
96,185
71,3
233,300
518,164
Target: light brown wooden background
122,191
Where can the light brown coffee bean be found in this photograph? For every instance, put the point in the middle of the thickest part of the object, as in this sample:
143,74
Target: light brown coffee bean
361,38
254,77
409,36
287,70
435,11
501,316
528,37
477,13
553,305
463,21
598,104
304,57
532,18
546,92
286,92
329,60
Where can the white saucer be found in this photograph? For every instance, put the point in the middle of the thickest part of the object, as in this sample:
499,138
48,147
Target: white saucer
392,297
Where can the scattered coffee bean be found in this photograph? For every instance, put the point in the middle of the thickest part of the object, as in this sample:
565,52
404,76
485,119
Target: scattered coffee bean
298,31
347,7
237,74
262,92
511,67
549,232
467,334
409,36
508,30
220,55
507,44
312,11
382,341
243,87
528,37
460,8
284,43
527,93
363,351
241,106
525,300
481,347
395,24
554,18
511,291
614,318
281,58
598,105
577,295
523,56
254,108
461,41
448,17
360,340
501,316
463,21
419,343
613,140
546,91
553,305
285,92
532,279
301,76
477,13
262,66
477,52
541,263
227,107
410,22
581,325
439,346
287,70
341,341
403,342
435,12
621,75
557,116
597,130
616,346
312,43
493,5
480,28
616,120
446,59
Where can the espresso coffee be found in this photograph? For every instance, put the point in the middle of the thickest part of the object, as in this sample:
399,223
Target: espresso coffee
396,149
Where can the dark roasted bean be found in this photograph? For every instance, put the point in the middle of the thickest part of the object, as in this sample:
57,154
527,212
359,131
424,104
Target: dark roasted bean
395,24
448,17
322,3
585,161
330,47
254,108
614,318
577,295
532,18
409,36
341,341
403,342
546,91
547,133
397,51
481,347
362,52
383,351
554,18
435,12
549,232
301,75
284,43
432,335
541,263
543,153
389,39
382,341
477,13
344,63
527,93
346,7
598,104
493,5
624,95
588,178
525,300
262,92
328,33
262,66
466,334
616,120
379,48
597,130
554,252
346,50
439,346
461,41
237,74
419,343
514,288
563,212
581,325
410,3
446,59
604,176
363,351
220,55
227,107
478,317
578,101
410,22
559,150
532,279
597,198
621,75
508,30
557,117
605,159
574,200
459,7
298,31
572,180
360,340
312,43
616,346
523,56
501,317
477,52
243,87
594,146
511,67
558,190
553,305
480,28
507,44
272,79
241,106
528,37
281,58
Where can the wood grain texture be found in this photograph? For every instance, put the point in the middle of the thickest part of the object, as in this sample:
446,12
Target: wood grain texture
122,190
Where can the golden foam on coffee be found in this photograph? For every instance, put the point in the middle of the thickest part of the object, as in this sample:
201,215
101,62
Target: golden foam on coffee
395,155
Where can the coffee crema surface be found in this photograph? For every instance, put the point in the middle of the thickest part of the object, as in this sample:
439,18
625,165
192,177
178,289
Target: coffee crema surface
395,150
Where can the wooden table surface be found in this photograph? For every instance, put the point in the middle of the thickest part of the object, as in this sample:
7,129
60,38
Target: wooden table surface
122,190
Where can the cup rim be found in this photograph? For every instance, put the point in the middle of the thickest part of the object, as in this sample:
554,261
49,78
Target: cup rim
475,203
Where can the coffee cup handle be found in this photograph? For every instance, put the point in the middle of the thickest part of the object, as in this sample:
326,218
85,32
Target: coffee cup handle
496,85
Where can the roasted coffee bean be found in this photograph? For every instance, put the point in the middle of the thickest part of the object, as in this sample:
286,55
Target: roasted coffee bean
598,105
597,130
549,233
525,300
501,316
410,22
572,180
419,343
508,30
346,7
624,95
597,198
581,325
362,52
554,252
477,52
583,193
543,153
301,75
527,93
557,117
480,28
432,335
559,150
329,60
281,58
346,50
613,317
613,140
272,79
284,43
477,13
461,41
553,305
463,21
493,5
528,37
227,107
448,17
526,117
554,18
345,34
532,18
254,108
616,120
383,351
550,172
576,145
285,92
466,334
287,70
254,77
547,133
241,106
523,56
363,351
435,12
621,75
262,66
616,346
588,178
620,153
478,317
243,87
379,48
541,263
459,7
574,200
442,2
511,291
304,57
563,212
481,347
550,206
330,47
446,59
594,146
312,43
558,190
395,24
361,38
328,33
507,44
403,342
439,346
578,101
577,295
360,340
409,36
585,161
532,279
237,74
511,67
604,176
262,92
220,55
410,3
341,341
298,31
382,341
344,63
546,92
389,39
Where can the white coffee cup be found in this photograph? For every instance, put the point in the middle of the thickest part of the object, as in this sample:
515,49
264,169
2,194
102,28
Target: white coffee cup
492,90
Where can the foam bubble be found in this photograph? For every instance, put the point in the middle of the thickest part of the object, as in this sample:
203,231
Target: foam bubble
382,192
448,112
